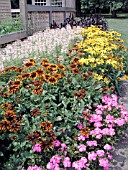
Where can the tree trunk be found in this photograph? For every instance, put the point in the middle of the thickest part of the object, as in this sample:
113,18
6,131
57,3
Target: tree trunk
114,14
78,7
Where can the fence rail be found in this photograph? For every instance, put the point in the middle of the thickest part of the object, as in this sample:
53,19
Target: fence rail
6,38
36,8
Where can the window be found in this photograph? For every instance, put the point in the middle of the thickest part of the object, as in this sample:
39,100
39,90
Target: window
56,3
40,2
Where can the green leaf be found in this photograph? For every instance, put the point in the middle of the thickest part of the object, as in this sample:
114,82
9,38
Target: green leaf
58,118
1,154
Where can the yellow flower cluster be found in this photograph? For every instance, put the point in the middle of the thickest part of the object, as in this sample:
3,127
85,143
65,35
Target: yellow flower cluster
100,77
99,46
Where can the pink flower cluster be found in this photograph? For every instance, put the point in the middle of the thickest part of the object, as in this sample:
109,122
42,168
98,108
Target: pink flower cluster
67,162
78,165
103,162
82,148
54,163
92,156
37,148
92,143
107,127
34,168
103,123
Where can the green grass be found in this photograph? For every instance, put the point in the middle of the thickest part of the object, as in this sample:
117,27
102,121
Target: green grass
121,26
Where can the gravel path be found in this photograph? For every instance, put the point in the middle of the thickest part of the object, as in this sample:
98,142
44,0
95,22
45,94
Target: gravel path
120,152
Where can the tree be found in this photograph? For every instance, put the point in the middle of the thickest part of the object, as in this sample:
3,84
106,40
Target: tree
97,5
92,5
114,7
78,7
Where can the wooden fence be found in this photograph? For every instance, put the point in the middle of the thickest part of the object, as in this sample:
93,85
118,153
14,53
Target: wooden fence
40,17
36,18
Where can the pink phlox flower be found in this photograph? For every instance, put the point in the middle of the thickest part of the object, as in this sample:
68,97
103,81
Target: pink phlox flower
107,147
98,112
114,97
98,136
112,132
50,165
120,121
67,162
111,125
108,131
98,124
124,113
81,137
65,153
63,145
82,148
109,156
37,148
85,111
84,160
55,159
30,168
95,118
78,165
34,168
57,167
92,155
105,131
96,131
109,119
63,131
104,163
100,107
92,143
80,126
115,104
81,117
100,153
106,98
57,143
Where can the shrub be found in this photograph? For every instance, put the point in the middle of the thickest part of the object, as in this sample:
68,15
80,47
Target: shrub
9,25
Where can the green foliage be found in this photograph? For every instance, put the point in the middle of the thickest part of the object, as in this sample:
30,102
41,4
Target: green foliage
9,25
116,5
93,4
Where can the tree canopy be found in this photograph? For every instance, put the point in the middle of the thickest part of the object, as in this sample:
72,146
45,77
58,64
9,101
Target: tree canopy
97,5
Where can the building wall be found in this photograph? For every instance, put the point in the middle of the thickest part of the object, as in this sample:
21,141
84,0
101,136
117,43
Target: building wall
71,3
5,9
67,3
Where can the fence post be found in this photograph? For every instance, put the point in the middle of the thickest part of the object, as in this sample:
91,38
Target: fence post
24,14
33,2
48,2
50,17
64,3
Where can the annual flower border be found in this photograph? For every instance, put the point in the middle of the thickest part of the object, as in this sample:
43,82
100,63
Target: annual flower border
62,114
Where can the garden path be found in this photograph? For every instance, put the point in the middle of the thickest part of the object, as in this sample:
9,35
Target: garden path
120,151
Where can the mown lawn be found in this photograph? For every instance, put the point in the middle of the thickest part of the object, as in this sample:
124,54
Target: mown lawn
121,26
